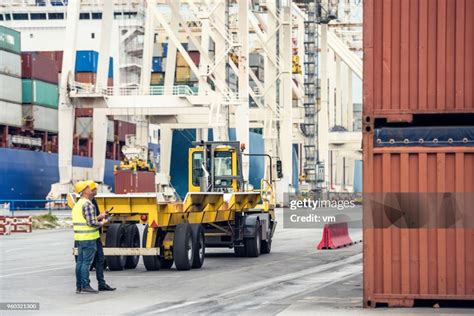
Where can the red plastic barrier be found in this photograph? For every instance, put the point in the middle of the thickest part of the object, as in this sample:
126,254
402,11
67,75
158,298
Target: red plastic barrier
5,226
15,224
335,236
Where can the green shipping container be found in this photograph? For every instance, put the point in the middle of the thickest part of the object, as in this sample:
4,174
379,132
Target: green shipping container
10,40
40,93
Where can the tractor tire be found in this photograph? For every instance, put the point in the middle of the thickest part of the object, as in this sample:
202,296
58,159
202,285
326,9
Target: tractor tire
166,264
116,238
266,246
199,246
132,236
253,245
183,247
240,251
152,263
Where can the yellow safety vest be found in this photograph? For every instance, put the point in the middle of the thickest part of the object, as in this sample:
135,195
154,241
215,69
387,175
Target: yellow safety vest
82,231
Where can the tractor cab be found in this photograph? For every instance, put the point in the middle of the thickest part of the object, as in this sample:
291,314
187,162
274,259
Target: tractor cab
215,167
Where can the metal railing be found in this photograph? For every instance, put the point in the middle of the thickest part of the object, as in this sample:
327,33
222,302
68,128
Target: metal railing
82,89
33,205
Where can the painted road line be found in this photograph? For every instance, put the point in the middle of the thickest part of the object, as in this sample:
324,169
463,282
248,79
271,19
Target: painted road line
34,272
271,282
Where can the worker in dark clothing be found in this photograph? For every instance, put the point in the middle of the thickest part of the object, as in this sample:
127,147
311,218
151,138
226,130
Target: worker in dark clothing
99,258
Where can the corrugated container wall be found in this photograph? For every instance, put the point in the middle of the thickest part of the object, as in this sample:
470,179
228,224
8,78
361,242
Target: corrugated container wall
10,40
57,56
157,78
40,93
180,61
195,57
44,119
90,77
11,114
127,182
430,262
10,63
35,66
123,128
10,89
418,57
182,74
157,64
84,128
87,60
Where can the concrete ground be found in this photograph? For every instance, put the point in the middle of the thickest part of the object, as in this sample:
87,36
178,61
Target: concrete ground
294,279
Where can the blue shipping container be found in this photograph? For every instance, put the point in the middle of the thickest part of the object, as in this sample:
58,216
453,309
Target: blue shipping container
165,49
87,60
157,64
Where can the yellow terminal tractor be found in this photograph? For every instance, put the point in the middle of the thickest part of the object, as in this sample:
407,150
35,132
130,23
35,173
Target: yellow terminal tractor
216,212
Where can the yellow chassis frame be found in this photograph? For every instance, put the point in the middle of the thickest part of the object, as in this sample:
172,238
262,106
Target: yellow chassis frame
197,208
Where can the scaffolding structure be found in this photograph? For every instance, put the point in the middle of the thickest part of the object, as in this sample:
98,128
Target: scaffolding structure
311,98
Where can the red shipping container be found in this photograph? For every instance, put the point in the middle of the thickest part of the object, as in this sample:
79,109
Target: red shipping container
196,57
124,128
404,263
90,77
418,58
56,56
84,112
127,181
35,66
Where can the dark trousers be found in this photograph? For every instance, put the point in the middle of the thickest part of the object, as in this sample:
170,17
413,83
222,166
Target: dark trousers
86,252
99,263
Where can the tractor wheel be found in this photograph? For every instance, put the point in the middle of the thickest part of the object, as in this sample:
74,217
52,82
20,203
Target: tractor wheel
199,245
132,237
116,238
183,247
152,263
254,243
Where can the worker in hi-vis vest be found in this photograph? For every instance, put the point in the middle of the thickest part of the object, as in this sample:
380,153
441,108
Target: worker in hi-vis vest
86,232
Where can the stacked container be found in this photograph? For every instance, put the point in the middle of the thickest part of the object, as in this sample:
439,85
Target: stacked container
40,91
10,78
158,64
196,58
183,71
83,135
418,145
86,67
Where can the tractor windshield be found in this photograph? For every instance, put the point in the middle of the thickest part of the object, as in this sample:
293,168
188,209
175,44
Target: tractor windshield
222,163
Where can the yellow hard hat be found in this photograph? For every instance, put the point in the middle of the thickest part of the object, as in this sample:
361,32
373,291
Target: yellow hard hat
80,186
91,184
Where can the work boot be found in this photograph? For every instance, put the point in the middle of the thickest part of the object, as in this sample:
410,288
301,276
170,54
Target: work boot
78,290
106,287
89,290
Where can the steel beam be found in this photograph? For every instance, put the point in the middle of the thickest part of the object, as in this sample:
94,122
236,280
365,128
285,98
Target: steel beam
104,52
286,98
242,111
323,127
99,125
145,76
66,109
